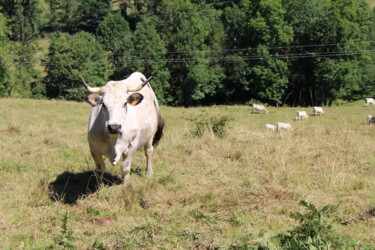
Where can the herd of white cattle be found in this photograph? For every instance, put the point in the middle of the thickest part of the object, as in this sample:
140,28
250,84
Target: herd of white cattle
302,115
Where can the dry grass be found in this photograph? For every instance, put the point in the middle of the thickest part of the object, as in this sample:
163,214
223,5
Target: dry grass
372,3
205,192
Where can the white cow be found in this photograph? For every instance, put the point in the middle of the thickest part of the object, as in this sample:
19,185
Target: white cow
371,119
124,119
300,115
369,101
271,127
318,110
282,125
258,108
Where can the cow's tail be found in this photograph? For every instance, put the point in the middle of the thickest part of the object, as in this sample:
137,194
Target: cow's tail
159,132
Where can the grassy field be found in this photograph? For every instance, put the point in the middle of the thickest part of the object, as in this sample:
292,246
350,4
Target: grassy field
206,192
371,2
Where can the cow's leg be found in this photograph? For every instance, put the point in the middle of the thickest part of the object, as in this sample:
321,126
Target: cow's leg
126,164
149,151
100,166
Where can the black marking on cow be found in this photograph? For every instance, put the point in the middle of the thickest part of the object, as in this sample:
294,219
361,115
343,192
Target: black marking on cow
135,99
93,99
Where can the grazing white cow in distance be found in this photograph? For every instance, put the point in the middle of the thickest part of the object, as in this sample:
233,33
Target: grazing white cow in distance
369,101
124,119
371,119
258,108
301,115
282,125
271,127
318,110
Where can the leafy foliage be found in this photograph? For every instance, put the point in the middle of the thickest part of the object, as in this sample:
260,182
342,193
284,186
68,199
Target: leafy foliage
4,50
25,18
70,56
91,13
216,125
150,62
25,75
65,239
115,36
314,231
319,79
195,77
294,52
76,15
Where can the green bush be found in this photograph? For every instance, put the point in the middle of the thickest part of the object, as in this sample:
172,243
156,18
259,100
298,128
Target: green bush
69,57
315,231
216,125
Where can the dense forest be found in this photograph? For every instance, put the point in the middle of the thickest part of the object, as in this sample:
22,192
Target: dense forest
279,52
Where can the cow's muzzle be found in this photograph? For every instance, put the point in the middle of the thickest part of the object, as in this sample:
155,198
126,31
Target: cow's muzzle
114,129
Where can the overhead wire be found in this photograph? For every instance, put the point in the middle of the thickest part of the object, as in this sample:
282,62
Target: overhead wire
215,59
225,50
222,57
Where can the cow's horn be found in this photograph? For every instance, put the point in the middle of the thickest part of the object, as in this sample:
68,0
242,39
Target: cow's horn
140,86
92,90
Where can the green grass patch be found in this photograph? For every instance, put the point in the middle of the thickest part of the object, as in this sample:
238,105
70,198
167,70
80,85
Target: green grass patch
220,181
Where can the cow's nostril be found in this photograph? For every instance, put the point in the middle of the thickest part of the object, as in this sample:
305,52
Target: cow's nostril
114,129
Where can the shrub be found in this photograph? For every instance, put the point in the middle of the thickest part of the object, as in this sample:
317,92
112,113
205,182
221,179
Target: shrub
315,231
70,56
216,125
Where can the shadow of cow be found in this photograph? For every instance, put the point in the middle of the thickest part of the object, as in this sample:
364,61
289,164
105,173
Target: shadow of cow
69,187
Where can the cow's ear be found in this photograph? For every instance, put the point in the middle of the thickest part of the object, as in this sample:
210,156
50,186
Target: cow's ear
93,99
135,99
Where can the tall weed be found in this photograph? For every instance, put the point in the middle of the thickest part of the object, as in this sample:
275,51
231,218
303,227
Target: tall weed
216,125
314,231
65,239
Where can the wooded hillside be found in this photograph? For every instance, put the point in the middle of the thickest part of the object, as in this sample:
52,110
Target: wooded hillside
292,52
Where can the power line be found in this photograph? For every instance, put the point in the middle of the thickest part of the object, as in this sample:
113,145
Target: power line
221,50
252,49
217,59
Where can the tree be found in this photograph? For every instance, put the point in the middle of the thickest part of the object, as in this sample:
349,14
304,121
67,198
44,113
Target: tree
267,28
217,4
61,16
193,75
133,10
236,82
25,18
4,57
258,26
148,57
332,34
355,22
91,13
116,37
77,15
69,57
24,74
268,78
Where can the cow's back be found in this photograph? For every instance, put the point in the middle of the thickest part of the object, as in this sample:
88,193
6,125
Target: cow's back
147,114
